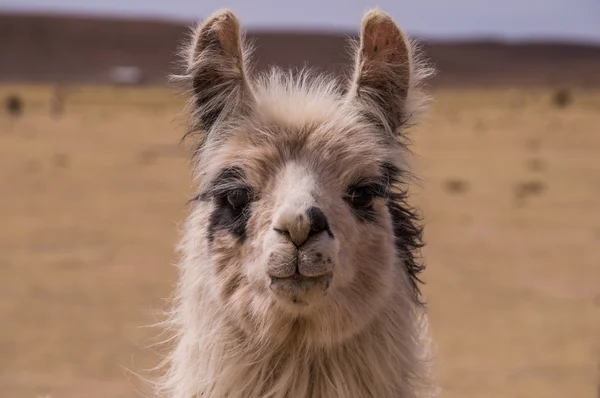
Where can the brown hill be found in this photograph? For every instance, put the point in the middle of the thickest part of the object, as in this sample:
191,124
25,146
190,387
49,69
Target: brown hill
43,48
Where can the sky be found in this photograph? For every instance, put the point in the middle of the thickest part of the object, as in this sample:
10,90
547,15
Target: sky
569,20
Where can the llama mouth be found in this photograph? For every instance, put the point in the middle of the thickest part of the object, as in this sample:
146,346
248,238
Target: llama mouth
298,286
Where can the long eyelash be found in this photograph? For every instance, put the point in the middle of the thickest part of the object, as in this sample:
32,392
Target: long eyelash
229,179
373,187
222,190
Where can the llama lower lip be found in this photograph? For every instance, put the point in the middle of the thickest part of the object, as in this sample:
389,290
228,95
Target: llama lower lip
298,285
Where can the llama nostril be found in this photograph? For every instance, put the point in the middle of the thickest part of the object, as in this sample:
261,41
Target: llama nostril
297,237
318,221
282,232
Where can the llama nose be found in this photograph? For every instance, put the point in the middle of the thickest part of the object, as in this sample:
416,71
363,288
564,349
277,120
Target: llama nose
299,227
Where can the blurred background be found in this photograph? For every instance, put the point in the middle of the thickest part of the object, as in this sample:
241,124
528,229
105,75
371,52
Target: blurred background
94,184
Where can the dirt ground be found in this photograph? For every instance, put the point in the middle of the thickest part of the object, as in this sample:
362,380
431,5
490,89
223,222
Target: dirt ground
91,198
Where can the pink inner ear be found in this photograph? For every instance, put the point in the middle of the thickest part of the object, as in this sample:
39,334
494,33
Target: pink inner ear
383,41
229,35
225,28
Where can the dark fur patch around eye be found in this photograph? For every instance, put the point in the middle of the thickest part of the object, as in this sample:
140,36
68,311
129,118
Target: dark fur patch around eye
363,214
224,217
228,179
408,232
405,219
376,187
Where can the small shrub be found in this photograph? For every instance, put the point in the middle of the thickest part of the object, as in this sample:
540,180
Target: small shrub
529,188
562,98
455,186
14,105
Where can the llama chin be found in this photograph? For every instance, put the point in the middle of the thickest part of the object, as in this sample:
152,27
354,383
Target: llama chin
299,258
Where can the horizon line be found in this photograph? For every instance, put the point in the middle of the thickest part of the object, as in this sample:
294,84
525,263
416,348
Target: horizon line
475,37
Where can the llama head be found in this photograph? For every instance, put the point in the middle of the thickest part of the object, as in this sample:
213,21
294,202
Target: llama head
300,224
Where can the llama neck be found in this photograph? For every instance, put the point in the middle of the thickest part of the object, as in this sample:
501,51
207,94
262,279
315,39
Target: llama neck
214,359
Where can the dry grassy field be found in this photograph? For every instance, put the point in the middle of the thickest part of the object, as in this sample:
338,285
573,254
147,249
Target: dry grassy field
91,199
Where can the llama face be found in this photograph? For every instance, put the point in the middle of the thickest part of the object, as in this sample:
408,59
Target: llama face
300,213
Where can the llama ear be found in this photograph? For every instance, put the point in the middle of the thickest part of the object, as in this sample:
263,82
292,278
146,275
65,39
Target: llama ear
215,67
383,69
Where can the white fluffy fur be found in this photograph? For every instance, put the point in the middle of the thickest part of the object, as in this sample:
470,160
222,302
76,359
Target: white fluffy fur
279,353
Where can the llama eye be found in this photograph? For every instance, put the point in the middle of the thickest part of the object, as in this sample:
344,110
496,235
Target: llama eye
238,198
361,198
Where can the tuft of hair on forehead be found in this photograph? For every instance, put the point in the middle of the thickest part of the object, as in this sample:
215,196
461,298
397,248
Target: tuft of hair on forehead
298,98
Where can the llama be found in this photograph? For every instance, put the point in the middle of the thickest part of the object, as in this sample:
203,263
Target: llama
298,271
